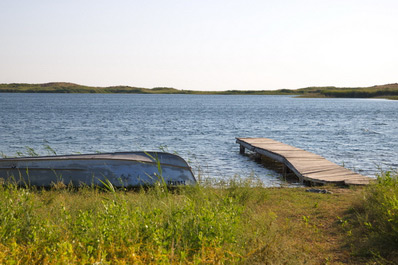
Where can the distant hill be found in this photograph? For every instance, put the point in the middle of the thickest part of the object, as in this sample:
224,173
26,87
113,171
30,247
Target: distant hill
63,87
382,91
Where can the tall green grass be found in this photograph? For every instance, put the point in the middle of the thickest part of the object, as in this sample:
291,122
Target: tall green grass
90,225
190,225
237,222
60,226
376,224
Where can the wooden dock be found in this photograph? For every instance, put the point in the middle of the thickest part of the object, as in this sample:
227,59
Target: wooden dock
307,166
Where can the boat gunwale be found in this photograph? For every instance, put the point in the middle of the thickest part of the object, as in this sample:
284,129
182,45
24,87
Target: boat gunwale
59,157
88,159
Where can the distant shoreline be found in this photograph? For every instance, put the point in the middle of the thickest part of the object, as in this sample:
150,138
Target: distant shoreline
389,91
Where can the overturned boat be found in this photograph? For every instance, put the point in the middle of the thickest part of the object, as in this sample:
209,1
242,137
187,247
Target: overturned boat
126,169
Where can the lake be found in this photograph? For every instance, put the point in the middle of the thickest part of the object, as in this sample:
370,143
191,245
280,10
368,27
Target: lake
361,134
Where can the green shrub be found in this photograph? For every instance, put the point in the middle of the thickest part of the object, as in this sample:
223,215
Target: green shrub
377,216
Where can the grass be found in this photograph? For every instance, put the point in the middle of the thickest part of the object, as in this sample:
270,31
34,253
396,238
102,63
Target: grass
374,221
238,222
389,91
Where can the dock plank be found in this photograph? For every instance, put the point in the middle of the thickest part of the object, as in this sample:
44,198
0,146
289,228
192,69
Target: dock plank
306,165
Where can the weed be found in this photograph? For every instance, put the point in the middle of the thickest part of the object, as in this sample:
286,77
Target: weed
193,225
377,219
237,222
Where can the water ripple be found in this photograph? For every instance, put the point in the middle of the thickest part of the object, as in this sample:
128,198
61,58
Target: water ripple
361,134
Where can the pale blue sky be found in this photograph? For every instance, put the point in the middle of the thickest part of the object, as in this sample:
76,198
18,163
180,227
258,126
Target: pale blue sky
200,45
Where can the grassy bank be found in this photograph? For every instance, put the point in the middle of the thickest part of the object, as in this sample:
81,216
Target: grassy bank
241,223
389,91
62,87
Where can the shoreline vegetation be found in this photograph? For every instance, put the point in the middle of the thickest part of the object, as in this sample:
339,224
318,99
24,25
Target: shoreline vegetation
240,222
388,91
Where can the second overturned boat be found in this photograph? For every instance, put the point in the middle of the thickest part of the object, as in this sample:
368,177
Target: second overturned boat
127,169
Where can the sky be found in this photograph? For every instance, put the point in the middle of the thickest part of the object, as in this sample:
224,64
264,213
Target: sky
200,45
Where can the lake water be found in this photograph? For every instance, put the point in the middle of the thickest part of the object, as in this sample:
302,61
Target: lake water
361,134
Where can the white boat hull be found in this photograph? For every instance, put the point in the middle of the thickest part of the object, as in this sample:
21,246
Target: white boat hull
121,169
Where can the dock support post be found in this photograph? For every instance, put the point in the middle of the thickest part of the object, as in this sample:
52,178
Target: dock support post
242,149
284,170
258,158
